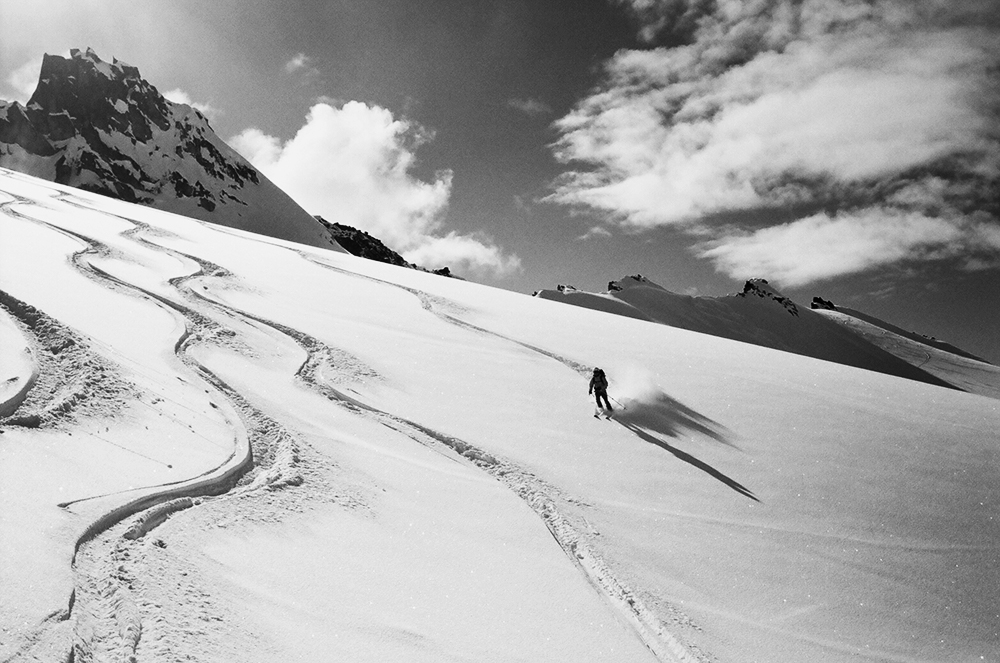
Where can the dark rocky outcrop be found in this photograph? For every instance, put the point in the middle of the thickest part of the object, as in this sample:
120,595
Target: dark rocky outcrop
818,303
361,244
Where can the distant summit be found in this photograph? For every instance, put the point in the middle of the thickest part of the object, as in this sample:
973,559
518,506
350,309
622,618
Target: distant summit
101,127
763,316
761,288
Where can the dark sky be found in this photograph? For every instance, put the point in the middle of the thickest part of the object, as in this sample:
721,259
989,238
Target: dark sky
832,150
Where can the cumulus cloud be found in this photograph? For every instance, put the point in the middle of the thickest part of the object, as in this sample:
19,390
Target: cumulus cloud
876,110
22,81
353,164
179,96
464,253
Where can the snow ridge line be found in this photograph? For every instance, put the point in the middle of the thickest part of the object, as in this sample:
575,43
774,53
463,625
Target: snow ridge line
278,457
29,320
427,302
153,517
66,367
267,444
108,619
529,488
119,607
10,405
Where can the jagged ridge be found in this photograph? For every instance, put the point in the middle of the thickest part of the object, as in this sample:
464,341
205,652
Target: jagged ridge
759,315
101,127
360,243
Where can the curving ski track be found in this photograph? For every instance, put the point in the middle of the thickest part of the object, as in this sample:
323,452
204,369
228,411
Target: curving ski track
107,620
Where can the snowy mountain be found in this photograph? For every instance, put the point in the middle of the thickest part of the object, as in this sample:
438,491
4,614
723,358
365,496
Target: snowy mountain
204,456
101,127
762,316
943,360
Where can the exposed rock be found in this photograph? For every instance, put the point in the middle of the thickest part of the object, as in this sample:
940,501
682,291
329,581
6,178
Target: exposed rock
761,288
361,244
822,304
101,127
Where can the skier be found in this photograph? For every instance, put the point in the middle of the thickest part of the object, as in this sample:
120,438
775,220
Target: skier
599,387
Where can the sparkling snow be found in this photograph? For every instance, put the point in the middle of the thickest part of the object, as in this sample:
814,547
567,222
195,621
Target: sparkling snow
427,482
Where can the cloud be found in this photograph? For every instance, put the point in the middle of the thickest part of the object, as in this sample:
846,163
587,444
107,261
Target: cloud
596,231
353,165
832,105
532,107
22,81
260,149
823,246
179,96
298,62
463,253
659,16
302,65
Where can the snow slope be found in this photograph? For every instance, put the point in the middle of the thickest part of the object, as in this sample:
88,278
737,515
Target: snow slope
954,366
239,448
762,316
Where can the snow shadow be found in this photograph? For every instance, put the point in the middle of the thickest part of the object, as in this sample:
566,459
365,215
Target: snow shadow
658,414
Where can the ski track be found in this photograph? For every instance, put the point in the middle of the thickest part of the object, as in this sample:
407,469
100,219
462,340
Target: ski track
104,608
539,495
106,622
69,370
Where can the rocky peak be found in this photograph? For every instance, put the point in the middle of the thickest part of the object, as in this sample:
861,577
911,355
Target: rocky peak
100,126
83,90
359,243
761,288
822,304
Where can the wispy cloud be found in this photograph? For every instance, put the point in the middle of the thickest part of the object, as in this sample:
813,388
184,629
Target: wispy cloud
824,246
302,65
179,96
353,164
659,16
533,107
877,110
596,231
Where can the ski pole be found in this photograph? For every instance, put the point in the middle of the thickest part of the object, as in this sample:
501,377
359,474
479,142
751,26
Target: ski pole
619,402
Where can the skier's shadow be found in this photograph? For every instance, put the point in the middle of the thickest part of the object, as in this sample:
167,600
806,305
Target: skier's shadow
667,416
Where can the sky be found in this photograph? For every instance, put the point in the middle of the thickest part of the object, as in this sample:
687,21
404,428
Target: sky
838,148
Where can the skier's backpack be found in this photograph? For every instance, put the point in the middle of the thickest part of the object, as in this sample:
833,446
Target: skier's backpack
600,380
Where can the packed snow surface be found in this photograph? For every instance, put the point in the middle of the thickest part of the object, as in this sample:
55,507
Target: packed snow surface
219,447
